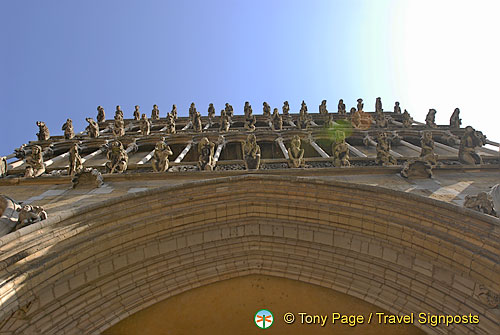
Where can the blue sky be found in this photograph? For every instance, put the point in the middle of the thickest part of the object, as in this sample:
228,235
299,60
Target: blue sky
60,59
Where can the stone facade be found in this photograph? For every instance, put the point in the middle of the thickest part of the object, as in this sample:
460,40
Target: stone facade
356,229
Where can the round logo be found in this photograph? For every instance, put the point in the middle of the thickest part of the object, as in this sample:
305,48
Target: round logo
263,319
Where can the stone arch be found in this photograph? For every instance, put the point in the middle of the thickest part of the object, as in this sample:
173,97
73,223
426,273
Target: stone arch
89,268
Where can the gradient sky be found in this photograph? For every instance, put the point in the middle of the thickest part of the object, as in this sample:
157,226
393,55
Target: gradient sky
60,59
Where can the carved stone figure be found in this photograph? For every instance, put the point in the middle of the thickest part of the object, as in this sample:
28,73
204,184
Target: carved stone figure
422,167
67,127
92,128
160,157
482,202
341,107
34,163
101,116
206,155
416,168
174,111
245,108
75,161
137,113
250,119
488,297
430,119
340,150
87,178
360,119
155,113
384,156
304,120
277,120
455,120
29,214
3,167
229,111
449,138
295,153
397,109
495,194
251,153
329,123
197,126
427,146
266,109
468,144
225,122
170,123
407,119
303,107
360,104
118,113
145,125
378,105
322,108
118,126
286,108
381,120
211,113
117,158
43,131
192,111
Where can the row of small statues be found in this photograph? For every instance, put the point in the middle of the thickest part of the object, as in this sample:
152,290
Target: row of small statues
117,155
359,119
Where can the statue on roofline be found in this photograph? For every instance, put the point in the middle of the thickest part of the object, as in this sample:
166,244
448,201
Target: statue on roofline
92,128
341,108
137,113
145,126
101,116
43,133
67,127
455,120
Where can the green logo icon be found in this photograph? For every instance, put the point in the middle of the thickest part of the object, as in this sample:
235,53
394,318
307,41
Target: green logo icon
263,319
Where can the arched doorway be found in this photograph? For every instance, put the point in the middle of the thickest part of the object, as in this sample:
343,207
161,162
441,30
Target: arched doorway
88,269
